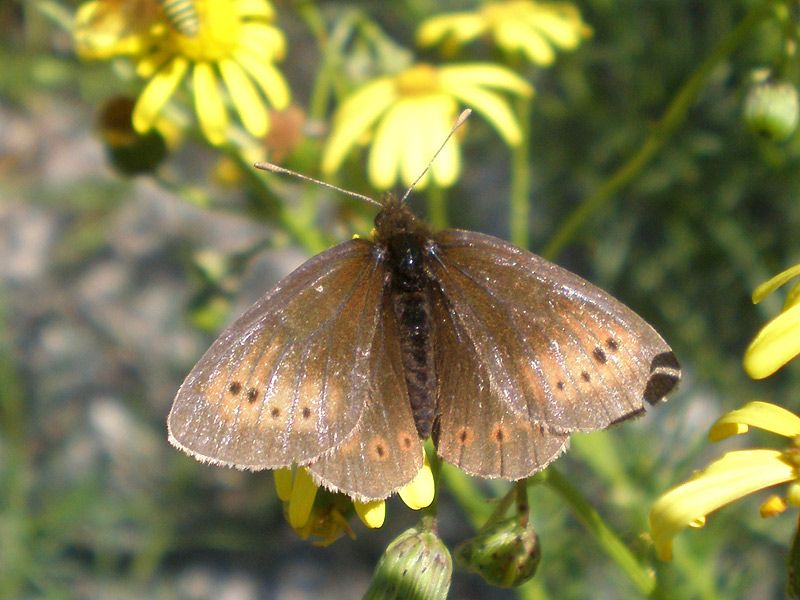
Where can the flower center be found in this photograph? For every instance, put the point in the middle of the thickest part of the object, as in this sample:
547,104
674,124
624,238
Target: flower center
219,34
418,80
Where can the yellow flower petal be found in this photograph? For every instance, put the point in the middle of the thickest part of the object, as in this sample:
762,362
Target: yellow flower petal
564,28
208,104
756,414
494,109
284,479
485,75
245,98
462,27
447,166
766,288
351,124
419,493
264,42
775,345
420,116
733,476
268,78
301,500
148,65
515,35
372,513
384,158
156,94
793,297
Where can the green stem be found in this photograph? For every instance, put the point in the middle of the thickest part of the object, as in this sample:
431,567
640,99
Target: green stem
468,496
437,207
673,117
331,48
436,470
641,576
519,200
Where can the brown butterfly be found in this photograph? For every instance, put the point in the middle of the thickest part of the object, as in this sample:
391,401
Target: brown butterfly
375,345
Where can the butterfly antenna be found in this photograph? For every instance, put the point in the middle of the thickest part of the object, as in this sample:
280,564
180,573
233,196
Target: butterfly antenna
267,166
459,122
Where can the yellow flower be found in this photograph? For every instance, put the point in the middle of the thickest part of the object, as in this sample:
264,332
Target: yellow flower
733,476
235,42
531,28
231,46
408,115
779,341
106,28
322,514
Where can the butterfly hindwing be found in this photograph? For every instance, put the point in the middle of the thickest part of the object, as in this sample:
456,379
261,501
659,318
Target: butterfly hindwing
383,452
287,381
476,430
552,346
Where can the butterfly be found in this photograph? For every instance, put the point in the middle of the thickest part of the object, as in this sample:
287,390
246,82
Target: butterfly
375,345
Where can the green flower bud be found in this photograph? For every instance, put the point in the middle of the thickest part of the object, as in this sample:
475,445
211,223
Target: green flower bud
505,554
415,566
771,109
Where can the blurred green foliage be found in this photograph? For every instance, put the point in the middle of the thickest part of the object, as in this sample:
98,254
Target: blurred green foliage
713,214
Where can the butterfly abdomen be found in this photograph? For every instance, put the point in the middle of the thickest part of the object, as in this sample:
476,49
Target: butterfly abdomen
411,305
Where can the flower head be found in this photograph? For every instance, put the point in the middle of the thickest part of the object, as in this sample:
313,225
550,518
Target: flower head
321,514
779,340
531,28
231,47
733,476
406,117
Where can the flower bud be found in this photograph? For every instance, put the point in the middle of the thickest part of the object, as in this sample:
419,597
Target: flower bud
415,565
505,554
771,109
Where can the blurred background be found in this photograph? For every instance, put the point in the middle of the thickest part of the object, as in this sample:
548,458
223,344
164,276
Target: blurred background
113,285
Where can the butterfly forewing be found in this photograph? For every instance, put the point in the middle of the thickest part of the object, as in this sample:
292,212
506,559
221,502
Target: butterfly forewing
553,347
383,452
288,380
477,431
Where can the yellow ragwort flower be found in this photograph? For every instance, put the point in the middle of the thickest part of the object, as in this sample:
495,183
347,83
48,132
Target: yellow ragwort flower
733,476
230,46
779,340
234,48
531,28
408,115
311,513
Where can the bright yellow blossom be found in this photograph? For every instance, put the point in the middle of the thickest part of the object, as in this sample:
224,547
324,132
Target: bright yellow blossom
232,51
530,28
319,513
733,476
779,340
407,116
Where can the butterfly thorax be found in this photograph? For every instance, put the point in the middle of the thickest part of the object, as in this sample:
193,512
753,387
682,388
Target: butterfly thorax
405,241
